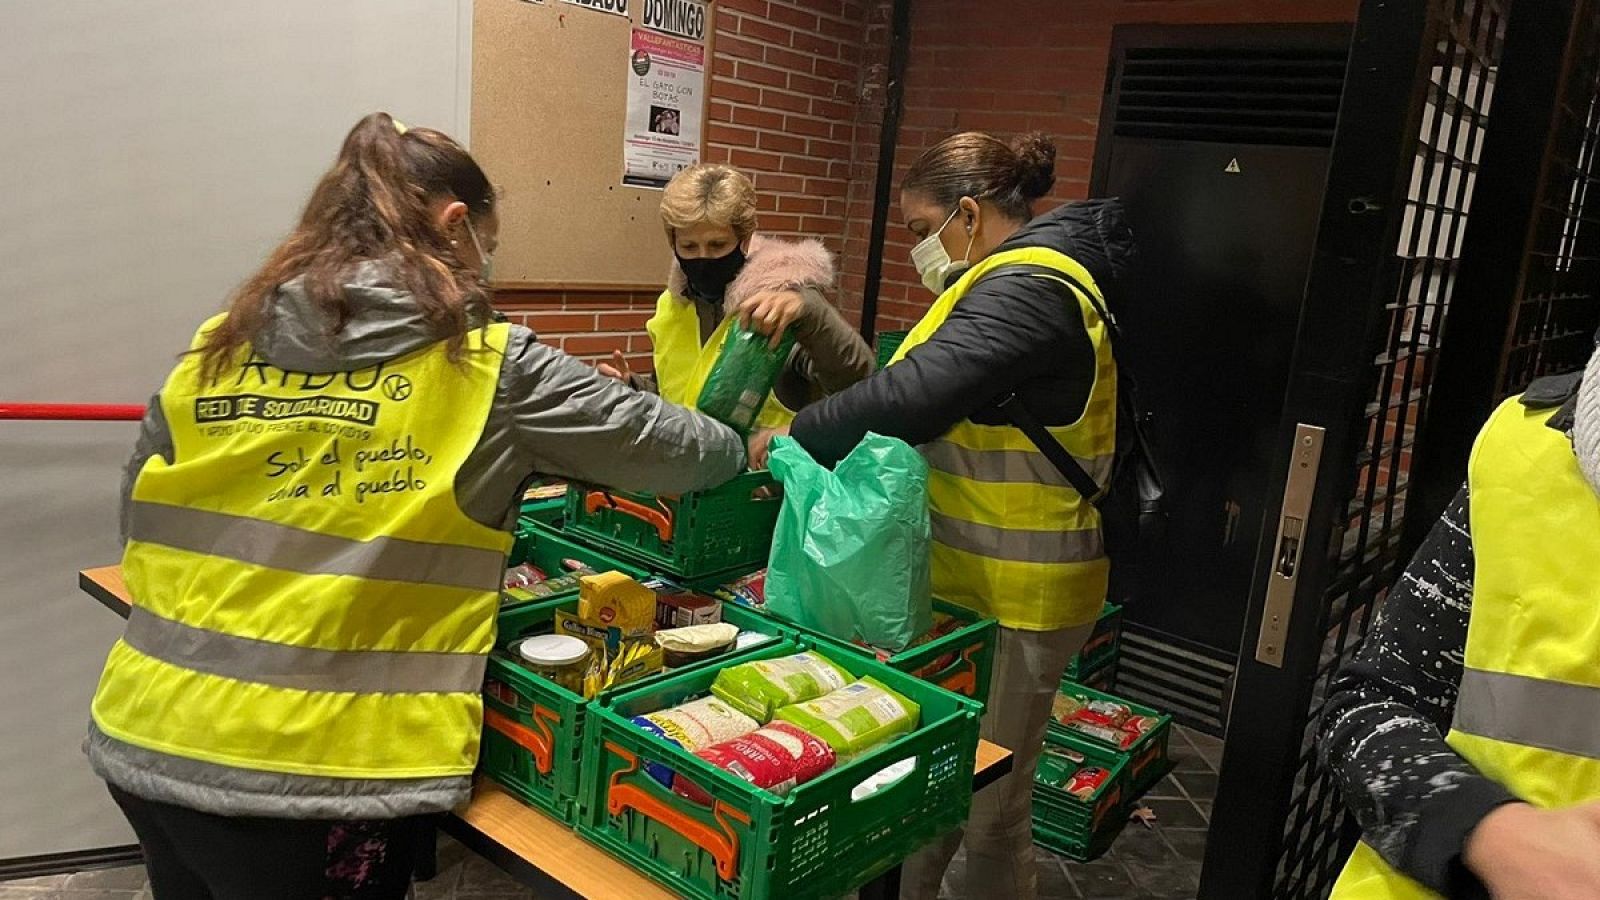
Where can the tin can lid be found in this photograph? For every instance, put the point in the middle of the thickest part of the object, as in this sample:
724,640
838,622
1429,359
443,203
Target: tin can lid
553,650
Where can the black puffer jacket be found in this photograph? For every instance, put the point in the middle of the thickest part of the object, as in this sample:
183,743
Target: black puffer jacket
1007,335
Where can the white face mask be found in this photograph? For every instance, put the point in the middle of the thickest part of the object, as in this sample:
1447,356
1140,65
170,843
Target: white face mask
933,262
485,261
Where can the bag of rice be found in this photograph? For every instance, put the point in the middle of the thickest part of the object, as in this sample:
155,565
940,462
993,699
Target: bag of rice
777,757
856,717
693,726
758,688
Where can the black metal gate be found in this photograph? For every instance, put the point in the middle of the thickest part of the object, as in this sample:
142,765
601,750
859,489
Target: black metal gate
1416,103
1529,294
1556,308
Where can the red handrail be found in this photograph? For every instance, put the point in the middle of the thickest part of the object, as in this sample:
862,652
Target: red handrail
72,412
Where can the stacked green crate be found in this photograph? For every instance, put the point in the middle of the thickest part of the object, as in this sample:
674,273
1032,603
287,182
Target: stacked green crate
1096,664
532,726
888,343
1148,757
726,530
960,660
1075,826
821,839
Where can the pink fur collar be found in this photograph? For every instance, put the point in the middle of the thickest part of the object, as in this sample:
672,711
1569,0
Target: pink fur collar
773,265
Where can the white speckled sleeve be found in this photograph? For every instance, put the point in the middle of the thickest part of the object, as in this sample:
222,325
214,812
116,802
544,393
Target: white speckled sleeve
1383,731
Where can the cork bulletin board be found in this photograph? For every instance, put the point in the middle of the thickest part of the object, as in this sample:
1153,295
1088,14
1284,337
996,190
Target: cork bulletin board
549,100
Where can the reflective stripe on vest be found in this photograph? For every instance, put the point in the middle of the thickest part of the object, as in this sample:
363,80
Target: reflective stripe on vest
1012,538
683,365
309,598
1529,699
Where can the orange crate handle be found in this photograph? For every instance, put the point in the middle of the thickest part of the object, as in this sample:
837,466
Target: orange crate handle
965,682
540,743
660,518
723,845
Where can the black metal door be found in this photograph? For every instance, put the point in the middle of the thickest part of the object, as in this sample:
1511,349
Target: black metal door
1216,140
1416,103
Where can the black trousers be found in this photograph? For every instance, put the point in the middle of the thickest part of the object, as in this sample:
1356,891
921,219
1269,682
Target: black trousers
192,855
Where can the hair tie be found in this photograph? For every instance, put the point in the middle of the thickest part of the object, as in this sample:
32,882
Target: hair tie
399,126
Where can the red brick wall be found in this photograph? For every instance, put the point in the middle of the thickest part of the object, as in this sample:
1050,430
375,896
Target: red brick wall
586,324
1007,66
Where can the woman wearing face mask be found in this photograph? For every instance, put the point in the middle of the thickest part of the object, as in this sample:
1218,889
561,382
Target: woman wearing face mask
724,274
316,518
1015,318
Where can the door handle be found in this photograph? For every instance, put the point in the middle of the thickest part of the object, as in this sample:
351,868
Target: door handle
1288,548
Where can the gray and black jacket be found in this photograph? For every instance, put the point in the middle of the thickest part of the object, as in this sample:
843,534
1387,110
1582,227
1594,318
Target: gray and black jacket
552,416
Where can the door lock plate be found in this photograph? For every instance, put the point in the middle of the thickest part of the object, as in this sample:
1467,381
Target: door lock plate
1288,550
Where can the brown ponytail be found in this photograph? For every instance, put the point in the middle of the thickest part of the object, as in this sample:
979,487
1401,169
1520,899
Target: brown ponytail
373,204
983,167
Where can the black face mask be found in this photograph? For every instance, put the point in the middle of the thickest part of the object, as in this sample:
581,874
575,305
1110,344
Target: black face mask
709,278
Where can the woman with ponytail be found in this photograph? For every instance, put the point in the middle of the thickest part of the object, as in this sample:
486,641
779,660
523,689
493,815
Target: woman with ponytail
317,518
1014,339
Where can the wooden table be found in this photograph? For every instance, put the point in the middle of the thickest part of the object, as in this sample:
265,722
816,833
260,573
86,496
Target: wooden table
538,851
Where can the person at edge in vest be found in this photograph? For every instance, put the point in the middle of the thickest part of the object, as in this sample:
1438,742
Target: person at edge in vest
1012,539
1465,733
316,517
724,272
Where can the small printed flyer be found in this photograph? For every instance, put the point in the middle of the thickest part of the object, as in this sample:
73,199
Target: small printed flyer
666,96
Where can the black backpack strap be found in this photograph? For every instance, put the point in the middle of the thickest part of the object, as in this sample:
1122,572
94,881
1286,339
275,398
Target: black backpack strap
1014,409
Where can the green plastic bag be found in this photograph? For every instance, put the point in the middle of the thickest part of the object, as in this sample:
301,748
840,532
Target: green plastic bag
744,375
850,552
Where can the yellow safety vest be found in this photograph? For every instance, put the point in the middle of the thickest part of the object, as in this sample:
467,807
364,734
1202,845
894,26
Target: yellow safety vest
1012,538
1530,690
683,365
309,599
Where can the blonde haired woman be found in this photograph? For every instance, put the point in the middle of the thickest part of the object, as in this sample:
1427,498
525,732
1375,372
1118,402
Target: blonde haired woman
724,272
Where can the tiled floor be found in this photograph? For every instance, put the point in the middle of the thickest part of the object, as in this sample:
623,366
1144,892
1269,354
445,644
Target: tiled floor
1157,863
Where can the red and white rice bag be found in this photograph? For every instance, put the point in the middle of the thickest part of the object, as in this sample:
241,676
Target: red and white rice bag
776,757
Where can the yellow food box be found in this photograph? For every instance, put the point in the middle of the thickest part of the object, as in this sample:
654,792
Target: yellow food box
615,600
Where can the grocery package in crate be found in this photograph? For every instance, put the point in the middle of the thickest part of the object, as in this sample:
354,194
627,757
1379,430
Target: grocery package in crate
1137,731
957,653
724,530
1080,798
786,772
552,657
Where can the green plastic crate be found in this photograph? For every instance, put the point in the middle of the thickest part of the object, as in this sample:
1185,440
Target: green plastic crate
1105,642
1077,829
1148,758
888,343
532,737
726,531
531,725
546,547
1102,678
821,840
961,661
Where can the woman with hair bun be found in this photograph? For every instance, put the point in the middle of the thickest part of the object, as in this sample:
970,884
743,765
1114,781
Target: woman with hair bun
1015,335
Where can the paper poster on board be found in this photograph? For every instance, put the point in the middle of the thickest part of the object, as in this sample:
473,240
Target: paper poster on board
666,94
